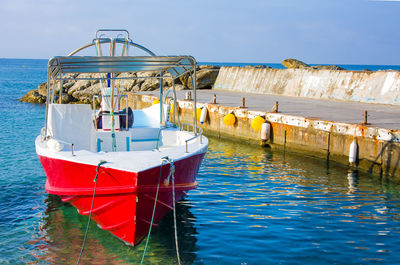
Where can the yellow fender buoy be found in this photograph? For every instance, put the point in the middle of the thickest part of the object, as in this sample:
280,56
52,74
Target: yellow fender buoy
198,113
156,101
229,119
178,109
257,123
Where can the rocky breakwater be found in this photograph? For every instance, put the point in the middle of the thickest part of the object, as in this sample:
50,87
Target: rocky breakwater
296,64
82,91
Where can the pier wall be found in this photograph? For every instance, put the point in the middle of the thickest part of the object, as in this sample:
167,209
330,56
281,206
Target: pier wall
361,86
378,149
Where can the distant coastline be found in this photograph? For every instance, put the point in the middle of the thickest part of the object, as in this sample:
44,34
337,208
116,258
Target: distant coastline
350,67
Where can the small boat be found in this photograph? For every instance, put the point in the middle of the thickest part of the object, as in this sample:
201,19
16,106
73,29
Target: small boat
124,168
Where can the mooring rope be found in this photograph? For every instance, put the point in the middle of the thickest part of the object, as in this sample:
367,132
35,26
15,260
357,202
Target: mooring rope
154,211
172,175
91,209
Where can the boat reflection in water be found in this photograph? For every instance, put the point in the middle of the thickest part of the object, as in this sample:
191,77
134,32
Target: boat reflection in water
63,231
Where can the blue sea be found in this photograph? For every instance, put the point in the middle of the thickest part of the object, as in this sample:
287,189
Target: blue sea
252,205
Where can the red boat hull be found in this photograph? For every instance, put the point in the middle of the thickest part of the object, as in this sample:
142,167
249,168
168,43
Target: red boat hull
124,200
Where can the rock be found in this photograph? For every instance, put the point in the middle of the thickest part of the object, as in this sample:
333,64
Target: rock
150,84
205,66
80,84
184,79
82,91
259,66
42,89
327,67
168,80
127,84
135,88
147,74
293,63
33,96
262,66
205,79
146,83
69,84
66,99
86,94
180,87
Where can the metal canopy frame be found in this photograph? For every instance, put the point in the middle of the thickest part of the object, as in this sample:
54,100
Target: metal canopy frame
175,65
62,68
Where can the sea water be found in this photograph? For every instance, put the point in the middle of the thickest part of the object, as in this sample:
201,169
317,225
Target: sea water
252,205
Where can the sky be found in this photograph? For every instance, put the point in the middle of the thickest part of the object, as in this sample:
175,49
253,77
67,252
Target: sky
248,31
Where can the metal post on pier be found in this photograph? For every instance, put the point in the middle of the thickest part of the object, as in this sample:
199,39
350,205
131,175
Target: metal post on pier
276,107
365,122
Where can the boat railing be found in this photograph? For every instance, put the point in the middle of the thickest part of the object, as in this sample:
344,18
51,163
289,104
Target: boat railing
67,143
101,114
198,134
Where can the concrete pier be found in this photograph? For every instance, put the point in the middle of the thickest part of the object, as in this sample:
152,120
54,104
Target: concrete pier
319,128
351,86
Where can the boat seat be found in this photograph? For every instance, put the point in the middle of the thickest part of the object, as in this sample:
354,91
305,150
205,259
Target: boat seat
70,123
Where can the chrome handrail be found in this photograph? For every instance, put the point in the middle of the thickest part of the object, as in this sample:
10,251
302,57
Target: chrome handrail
175,105
197,134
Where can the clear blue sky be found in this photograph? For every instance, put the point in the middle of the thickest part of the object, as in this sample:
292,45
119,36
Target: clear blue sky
315,31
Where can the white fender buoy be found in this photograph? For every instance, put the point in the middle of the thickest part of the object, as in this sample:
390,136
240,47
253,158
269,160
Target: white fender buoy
55,145
203,115
265,131
353,152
